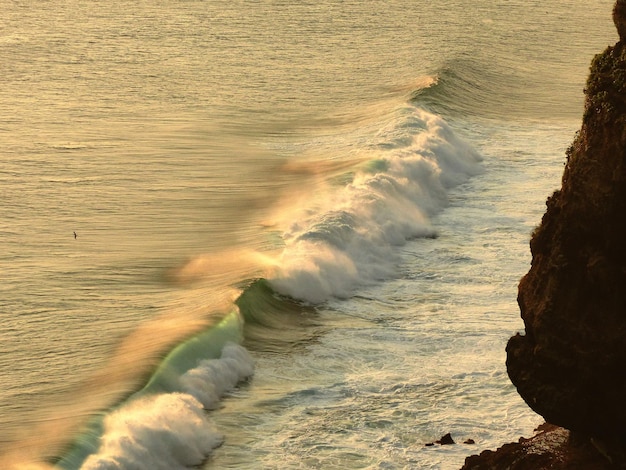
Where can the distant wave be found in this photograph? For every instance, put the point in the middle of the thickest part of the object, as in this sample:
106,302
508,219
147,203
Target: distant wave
465,87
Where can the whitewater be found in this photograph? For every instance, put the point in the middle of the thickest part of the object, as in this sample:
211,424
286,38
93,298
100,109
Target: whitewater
299,227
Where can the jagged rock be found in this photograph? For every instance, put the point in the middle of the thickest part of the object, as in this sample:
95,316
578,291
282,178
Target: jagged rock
551,448
570,365
446,440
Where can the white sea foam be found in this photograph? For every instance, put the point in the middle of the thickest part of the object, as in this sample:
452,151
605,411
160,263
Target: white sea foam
166,431
171,430
348,240
212,378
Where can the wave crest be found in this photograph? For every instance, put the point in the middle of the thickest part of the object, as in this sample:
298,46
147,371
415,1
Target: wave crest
348,239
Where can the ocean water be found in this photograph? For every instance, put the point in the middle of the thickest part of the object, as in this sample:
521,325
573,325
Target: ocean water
274,234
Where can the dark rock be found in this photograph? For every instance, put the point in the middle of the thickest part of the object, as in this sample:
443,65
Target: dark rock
446,440
569,365
551,448
469,441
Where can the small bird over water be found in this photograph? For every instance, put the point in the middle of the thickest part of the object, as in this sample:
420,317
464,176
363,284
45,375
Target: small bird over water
75,235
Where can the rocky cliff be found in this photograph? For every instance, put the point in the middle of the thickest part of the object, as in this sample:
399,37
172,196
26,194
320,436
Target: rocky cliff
570,365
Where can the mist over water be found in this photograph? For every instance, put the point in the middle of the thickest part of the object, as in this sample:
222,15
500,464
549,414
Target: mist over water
382,163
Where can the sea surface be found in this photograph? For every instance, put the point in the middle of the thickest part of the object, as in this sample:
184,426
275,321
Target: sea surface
274,234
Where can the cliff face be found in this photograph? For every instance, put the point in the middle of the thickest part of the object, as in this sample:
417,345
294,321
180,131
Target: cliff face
570,366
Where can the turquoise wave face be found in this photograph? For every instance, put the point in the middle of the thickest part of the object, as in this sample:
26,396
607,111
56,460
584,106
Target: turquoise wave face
165,424
273,322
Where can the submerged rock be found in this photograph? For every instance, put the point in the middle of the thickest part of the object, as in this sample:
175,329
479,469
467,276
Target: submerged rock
570,366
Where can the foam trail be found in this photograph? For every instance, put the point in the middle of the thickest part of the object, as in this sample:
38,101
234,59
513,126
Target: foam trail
348,239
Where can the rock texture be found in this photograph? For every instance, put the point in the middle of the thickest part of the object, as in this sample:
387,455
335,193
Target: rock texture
570,365
551,448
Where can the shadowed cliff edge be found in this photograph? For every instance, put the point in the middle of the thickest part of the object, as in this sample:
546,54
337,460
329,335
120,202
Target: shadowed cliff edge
570,365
